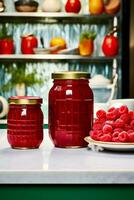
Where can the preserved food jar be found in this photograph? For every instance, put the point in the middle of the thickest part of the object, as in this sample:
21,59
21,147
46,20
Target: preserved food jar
25,122
70,109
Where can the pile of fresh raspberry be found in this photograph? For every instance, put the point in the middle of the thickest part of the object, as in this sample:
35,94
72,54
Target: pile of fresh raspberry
115,125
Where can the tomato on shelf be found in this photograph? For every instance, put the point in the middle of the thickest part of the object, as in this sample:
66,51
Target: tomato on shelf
28,43
6,45
86,44
73,6
110,45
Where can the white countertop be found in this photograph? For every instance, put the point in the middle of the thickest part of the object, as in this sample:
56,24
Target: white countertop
54,165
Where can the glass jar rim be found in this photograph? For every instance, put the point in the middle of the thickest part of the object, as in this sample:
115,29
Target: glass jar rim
70,75
25,100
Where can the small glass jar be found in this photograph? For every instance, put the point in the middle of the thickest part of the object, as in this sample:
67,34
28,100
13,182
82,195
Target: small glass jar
25,122
70,109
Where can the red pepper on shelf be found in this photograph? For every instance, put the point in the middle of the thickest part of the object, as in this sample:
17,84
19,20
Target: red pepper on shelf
28,43
110,46
6,46
73,6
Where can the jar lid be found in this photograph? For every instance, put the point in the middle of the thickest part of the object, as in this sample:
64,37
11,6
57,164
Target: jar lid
70,75
25,100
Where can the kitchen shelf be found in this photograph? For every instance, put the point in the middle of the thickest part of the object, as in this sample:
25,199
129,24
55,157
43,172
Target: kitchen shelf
46,57
54,17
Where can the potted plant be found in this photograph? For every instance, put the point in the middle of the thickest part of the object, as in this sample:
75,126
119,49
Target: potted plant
6,42
19,78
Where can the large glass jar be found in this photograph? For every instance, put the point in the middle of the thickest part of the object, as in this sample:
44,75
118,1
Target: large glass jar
25,122
70,109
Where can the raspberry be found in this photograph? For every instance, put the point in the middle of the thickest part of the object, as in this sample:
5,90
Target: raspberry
107,129
106,138
110,122
130,131
131,137
100,133
123,136
101,114
118,123
115,139
94,135
123,109
111,109
115,136
125,117
112,115
99,120
132,124
131,114
127,127
118,130
97,126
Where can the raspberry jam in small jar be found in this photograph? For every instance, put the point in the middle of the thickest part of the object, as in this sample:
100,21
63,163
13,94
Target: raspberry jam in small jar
25,122
70,109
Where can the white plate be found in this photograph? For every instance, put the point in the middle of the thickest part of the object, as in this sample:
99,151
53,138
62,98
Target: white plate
45,50
115,146
71,51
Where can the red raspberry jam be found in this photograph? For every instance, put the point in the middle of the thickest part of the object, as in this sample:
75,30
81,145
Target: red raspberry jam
25,122
70,109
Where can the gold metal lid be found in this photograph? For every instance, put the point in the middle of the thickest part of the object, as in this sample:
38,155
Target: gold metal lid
25,100
70,75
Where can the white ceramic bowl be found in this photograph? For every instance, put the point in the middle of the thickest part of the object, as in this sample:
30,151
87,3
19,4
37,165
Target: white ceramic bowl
114,103
119,102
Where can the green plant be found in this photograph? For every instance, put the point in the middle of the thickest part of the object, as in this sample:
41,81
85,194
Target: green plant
19,74
4,33
88,35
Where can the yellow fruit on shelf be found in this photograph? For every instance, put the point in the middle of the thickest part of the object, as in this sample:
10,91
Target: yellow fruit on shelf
96,7
58,42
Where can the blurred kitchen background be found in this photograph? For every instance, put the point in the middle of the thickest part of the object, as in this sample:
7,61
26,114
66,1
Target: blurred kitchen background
120,66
